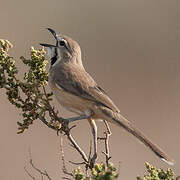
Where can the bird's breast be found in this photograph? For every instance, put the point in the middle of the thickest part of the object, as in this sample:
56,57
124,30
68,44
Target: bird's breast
71,102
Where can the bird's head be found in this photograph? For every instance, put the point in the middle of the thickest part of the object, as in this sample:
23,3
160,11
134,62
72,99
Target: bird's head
65,50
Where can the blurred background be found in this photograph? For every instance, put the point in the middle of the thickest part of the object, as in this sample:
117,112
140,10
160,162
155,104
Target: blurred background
131,48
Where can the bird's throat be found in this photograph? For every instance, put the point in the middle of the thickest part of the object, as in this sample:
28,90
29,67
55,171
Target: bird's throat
53,60
55,57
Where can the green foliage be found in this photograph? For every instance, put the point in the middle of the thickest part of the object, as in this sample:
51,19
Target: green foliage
157,174
79,174
27,94
99,172
102,172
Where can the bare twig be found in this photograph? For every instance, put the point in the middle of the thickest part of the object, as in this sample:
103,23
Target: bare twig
29,174
42,173
69,136
106,142
108,128
77,147
63,159
90,151
72,127
76,163
119,166
66,178
89,159
107,133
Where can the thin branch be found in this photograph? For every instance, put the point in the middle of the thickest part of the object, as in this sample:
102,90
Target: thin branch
51,109
69,136
43,173
89,159
106,142
29,174
90,151
63,159
119,166
77,147
47,123
66,178
76,163
108,128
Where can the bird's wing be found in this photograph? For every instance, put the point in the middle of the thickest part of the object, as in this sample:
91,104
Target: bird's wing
78,82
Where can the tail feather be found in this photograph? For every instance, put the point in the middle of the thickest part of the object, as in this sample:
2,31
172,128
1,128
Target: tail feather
121,121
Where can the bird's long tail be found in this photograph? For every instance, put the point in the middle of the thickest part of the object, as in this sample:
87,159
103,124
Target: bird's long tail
118,119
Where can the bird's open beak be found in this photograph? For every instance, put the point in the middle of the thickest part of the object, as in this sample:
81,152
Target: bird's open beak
47,45
55,36
53,33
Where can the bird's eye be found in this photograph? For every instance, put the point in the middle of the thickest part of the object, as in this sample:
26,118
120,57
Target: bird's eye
62,43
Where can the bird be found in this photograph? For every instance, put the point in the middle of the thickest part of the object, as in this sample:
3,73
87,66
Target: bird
78,92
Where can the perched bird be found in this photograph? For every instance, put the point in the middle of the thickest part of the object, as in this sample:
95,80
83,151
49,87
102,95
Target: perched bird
77,91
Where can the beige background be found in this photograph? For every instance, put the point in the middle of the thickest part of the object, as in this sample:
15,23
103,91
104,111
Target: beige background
131,48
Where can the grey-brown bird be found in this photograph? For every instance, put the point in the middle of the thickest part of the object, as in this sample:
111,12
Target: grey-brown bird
77,91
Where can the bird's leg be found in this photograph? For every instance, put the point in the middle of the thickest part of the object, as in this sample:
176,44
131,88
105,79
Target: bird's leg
87,115
94,132
78,118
